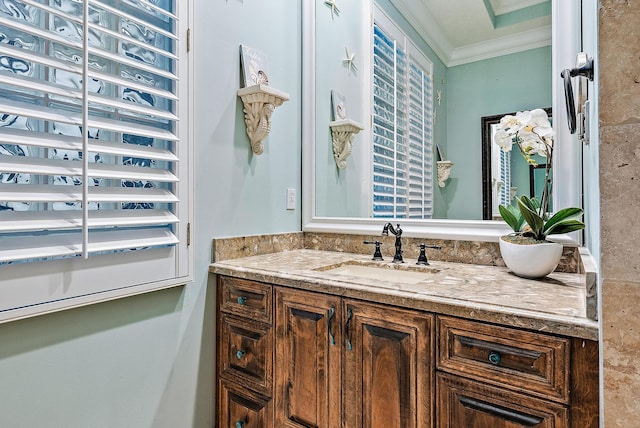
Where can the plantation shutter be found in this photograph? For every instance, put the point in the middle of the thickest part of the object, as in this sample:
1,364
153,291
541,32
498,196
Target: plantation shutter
402,129
420,143
505,177
88,127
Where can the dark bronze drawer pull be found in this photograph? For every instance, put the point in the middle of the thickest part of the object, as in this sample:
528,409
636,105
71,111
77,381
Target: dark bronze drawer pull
332,314
512,415
347,329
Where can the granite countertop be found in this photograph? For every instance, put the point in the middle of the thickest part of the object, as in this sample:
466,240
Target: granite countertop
555,304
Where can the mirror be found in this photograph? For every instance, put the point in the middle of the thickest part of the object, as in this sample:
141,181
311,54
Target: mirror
505,174
340,201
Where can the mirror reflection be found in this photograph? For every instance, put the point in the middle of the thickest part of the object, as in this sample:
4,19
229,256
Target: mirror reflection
505,174
425,75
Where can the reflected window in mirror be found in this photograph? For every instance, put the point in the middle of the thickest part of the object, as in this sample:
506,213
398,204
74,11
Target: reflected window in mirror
402,125
506,175
501,189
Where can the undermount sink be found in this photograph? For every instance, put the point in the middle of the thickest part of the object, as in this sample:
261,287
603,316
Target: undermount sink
403,273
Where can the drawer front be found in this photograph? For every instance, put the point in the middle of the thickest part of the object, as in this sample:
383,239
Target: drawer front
246,298
509,358
241,408
466,403
246,353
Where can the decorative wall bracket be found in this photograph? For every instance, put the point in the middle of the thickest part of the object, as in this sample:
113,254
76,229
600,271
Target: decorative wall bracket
259,103
444,170
342,132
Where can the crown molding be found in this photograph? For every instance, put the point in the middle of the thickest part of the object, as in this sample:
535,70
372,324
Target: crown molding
520,42
430,30
501,7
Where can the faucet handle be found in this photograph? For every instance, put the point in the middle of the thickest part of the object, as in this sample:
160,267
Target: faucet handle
377,254
422,258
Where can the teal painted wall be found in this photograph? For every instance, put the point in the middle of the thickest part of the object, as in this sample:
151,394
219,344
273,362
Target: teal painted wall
520,81
148,361
344,193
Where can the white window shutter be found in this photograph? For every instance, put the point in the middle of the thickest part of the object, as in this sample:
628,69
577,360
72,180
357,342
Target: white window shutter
106,145
95,181
402,127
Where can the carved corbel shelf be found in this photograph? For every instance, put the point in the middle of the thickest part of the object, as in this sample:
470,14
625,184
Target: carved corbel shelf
259,103
342,133
444,170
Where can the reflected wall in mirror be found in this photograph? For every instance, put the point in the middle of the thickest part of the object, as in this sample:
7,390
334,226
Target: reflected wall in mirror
487,69
505,174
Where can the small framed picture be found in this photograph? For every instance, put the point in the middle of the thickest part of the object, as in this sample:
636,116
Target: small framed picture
254,66
339,103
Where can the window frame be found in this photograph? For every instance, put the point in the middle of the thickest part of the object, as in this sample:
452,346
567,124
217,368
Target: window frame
38,287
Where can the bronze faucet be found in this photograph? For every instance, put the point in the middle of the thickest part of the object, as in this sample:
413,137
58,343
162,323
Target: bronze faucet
397,258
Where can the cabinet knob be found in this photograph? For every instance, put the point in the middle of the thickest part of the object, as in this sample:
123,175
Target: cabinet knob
239,424
494,357
240,354
242,300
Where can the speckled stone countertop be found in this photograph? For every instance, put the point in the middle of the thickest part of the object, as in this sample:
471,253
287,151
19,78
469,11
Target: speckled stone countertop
555,304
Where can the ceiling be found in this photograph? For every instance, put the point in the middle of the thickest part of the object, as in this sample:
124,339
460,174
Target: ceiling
462,31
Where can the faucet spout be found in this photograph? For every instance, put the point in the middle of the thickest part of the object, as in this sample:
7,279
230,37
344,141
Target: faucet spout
397,231
389,227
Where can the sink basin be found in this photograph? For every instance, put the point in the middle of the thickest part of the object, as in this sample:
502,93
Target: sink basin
405,274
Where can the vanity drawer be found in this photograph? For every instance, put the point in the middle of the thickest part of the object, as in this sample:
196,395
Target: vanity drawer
507,357
242,408
246,352
245,298
466,403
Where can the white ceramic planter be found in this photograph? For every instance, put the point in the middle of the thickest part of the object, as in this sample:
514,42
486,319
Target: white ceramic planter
531,261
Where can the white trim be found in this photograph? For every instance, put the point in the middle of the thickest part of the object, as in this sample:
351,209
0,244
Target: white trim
500,7
417,14
520,42
308,111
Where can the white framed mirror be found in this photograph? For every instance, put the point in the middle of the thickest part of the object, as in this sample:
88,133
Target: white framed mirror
355,34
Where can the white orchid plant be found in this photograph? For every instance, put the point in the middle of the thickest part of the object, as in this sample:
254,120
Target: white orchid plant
531,132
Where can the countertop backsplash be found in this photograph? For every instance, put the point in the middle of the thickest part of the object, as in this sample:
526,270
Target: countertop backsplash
474,252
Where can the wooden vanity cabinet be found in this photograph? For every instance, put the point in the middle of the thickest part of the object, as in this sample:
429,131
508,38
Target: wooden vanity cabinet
245,354
388,366
494,376
348,363
297,359
307,362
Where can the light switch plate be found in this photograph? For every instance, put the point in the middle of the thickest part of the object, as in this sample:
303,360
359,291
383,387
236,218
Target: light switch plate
291,199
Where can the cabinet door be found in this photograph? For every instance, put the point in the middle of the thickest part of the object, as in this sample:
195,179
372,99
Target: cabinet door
388,368
307,359
466,403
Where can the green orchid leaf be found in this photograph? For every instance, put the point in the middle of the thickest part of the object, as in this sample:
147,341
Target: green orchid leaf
532,204
563,215
565,226
510,218
532,218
